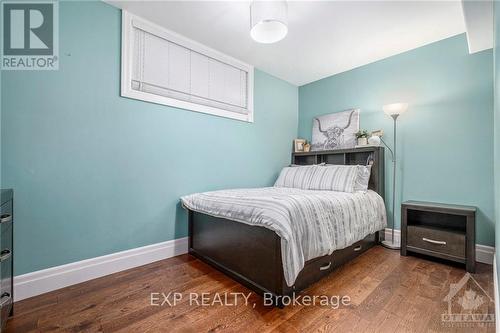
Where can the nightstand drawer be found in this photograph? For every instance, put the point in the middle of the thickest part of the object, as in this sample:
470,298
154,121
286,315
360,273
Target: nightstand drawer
6,218
6,299
436,240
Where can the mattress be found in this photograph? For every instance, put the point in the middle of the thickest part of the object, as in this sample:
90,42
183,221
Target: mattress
310,223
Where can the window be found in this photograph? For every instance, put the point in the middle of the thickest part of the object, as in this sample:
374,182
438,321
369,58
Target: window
163,67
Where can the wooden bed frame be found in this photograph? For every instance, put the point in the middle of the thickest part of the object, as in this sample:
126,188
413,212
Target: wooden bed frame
252,254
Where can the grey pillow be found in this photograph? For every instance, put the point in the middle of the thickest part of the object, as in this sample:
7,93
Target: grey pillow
296,176
334,178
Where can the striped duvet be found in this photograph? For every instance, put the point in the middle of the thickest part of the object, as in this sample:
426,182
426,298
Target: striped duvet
310,223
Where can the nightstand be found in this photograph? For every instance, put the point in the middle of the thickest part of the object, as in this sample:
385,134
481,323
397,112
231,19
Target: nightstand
440,230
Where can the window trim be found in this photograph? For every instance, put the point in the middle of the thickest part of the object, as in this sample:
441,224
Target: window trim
129,21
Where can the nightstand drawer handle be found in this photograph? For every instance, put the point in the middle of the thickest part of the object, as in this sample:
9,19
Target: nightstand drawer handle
4,218
325,267
358,248
4,299
433,241
5,254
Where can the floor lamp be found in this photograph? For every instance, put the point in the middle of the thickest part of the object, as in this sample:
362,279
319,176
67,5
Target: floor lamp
393,110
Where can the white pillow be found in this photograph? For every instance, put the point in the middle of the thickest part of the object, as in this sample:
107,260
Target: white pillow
362,178
296,176
340,178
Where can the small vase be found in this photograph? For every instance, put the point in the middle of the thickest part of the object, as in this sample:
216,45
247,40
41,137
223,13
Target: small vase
362,142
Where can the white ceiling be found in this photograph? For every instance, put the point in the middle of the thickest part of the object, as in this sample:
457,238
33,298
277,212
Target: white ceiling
324,38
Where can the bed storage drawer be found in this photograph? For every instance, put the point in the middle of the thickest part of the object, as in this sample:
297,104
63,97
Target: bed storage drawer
317,268
344,255
314,270
436,240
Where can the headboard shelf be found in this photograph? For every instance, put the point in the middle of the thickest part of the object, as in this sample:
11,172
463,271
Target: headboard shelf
341,151
362,156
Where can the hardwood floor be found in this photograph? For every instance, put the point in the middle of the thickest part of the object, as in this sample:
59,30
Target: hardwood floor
388,293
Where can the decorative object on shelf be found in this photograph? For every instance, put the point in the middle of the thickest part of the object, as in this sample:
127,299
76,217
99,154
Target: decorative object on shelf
393,110
298,145
307,147
268,21
335,130
375,137
362,136
374,140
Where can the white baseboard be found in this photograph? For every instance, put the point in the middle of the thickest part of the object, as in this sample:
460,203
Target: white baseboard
484,253
397,235
39,282
495,290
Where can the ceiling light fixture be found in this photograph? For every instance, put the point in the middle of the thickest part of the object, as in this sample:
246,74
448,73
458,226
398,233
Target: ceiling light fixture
268,21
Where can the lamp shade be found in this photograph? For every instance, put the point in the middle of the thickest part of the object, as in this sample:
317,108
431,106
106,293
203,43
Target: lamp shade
395,109
268,21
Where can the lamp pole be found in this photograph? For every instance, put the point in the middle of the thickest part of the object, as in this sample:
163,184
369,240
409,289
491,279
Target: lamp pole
393,245
393,110
386,243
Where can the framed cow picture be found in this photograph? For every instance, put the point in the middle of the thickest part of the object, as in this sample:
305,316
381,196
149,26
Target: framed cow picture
335,130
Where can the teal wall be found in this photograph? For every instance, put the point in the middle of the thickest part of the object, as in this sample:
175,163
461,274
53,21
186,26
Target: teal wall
446,137
95,173
496,56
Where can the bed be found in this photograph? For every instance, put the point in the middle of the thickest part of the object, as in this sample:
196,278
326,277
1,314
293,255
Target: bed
239,231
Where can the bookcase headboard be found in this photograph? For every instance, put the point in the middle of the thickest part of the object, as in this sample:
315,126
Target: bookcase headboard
361,156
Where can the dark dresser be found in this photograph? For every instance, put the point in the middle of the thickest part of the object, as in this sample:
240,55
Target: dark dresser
6,255
440,230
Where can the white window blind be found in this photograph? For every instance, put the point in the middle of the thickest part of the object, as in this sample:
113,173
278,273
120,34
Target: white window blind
162,67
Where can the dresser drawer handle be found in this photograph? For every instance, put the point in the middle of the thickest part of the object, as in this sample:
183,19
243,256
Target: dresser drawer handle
358,248
4,299
5,254
4,218
433,241
325,267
